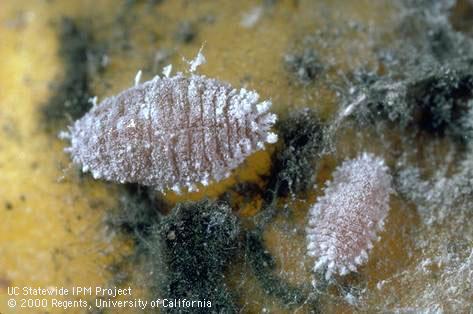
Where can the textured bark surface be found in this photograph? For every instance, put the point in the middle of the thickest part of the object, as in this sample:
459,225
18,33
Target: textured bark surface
171,133
343,223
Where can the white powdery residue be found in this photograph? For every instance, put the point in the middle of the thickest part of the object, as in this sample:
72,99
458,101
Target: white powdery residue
268,119
263,107
198,61
440,197
447,268
272,138
351,107
93,101
238,107
64,135
343,223
167,70
249,99
351,299
250,18
138,77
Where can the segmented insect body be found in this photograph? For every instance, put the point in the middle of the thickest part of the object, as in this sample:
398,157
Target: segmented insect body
172,132
343,223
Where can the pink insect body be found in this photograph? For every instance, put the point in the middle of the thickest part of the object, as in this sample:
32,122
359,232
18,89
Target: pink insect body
345,221
172,133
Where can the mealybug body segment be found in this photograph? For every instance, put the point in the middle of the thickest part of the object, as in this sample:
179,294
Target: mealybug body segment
172,132
343,223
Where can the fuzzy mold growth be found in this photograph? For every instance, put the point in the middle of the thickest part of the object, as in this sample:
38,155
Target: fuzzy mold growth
189,252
